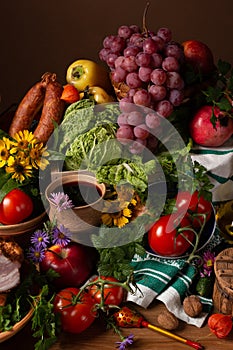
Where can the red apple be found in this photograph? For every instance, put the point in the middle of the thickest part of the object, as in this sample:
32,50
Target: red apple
73,263
203,131
199,55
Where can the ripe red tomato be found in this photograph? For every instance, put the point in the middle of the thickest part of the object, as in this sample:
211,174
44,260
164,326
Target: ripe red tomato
75,316
113,295
15,207
194,206
165,239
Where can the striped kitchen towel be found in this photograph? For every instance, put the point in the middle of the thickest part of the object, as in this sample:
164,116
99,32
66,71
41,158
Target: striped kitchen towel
219,165
168,280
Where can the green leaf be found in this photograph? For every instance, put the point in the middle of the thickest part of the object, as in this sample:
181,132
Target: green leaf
213,120
212,94
223,67
224,104
44,321
8,185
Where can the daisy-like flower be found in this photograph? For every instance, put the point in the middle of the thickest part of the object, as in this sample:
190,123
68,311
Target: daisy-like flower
23,140
5,146
61,201
40,239
19,168
36,254
37,155
119,217
126,341
208,264
208,258
119,212
61,235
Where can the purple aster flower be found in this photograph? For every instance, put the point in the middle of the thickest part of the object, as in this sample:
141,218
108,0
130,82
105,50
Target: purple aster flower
40,239
61,201
208,264
122,345
61,235
208,258
36,254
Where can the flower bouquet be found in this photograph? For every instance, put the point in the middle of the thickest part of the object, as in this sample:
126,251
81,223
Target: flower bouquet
21,158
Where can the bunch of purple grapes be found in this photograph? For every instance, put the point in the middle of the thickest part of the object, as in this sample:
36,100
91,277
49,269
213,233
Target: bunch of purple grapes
139,127
150,64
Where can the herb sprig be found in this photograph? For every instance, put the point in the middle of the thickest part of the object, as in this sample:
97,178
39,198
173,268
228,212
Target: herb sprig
45,323
221,94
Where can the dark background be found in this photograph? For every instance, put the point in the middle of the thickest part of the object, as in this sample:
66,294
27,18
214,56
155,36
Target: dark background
39,36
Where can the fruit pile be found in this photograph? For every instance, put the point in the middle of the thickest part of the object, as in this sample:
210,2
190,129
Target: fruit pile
150,65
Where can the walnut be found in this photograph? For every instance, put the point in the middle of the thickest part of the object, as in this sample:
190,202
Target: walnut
167,320
192,306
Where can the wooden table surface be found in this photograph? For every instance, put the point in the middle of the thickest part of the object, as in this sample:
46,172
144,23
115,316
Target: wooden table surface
96,337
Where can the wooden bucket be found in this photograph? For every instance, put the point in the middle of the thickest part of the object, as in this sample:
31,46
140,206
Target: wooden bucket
223,286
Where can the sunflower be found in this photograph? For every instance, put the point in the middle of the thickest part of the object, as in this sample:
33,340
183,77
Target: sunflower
20,168
36,153
24,140
118,212
5,146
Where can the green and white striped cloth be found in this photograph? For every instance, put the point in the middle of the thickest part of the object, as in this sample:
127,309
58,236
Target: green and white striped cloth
219,165
168,280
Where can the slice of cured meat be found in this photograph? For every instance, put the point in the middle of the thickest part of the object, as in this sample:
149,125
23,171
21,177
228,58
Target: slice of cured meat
11,258
9,273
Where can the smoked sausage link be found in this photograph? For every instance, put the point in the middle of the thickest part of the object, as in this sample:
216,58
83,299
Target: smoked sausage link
30,105
52,111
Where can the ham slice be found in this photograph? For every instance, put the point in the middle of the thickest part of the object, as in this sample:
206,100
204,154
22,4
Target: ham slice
9,273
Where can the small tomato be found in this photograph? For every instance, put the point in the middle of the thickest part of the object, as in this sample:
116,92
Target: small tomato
112,294
170,236
15,207
196,207
75,315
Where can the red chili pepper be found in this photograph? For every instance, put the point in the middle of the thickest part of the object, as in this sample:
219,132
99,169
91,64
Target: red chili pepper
220,325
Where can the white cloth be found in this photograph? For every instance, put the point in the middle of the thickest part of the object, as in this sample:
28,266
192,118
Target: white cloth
219,165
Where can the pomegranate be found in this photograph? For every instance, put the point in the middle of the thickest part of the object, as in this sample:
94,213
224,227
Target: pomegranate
204,133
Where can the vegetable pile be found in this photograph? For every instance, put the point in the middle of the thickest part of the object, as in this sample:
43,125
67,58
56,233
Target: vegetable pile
137,142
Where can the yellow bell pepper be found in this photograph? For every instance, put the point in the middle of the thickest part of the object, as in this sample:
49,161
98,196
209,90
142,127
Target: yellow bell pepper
82,73
97,93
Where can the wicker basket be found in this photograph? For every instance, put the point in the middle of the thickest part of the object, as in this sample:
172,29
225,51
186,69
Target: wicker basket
223,286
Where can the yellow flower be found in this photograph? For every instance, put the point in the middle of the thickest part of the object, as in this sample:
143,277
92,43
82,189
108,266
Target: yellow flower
127,212
36,153
24,139
133,202
121,221
19,168
5,145
116,214
107,219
